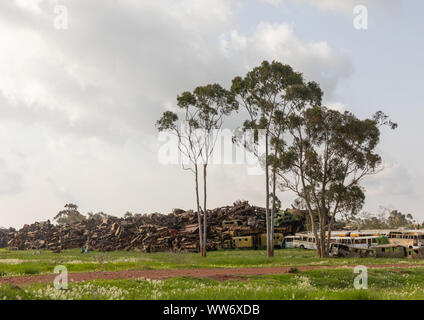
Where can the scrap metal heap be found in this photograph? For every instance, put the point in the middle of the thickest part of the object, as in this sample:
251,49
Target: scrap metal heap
4,236
177,231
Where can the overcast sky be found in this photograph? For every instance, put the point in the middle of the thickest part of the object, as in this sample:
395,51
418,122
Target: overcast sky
78,105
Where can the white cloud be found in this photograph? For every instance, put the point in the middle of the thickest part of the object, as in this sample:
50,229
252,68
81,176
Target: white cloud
278,42
112,65
275,3
336,105
394,180
111,71
78,106
31,5
11,182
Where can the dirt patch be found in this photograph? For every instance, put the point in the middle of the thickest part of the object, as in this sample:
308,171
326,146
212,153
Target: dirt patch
217,274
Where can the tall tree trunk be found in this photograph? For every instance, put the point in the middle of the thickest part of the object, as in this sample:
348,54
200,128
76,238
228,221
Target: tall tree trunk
269,242
205,225
313,227
321,234
330,226
318,235
199,214
274,209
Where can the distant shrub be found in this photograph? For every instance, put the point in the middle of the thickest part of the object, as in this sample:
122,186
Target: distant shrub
293,270
382,240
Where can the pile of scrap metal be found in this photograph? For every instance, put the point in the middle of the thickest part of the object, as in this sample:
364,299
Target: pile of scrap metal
177,231
4,236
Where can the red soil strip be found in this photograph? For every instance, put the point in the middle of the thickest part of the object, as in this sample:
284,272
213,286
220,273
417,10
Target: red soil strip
217,274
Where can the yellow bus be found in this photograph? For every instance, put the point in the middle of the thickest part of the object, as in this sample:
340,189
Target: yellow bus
256,241
407,238
278,240
245,242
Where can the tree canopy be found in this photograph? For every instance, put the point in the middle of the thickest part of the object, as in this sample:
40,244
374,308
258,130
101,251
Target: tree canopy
270,93
201,113
69,215
331,152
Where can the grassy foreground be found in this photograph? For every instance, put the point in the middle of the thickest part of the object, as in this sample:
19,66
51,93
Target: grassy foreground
37,262
317,284
406,283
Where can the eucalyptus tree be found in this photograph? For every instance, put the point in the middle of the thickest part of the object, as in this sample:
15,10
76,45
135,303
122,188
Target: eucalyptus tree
69,215
270,93
202,114
329,155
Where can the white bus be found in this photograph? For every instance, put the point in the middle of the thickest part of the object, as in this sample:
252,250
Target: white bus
362,242
356,240
300,240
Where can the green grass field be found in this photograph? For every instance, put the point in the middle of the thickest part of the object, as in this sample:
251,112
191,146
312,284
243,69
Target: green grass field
36,262
405,283
315,285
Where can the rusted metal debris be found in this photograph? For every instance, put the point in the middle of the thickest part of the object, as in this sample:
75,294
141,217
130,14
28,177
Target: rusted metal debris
4,236
177,231
348,251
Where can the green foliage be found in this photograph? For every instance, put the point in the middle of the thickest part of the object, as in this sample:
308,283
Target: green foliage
386,219
270,93
167,122
330,154
382,240
98,217
284,218
69,215
203,109
396,219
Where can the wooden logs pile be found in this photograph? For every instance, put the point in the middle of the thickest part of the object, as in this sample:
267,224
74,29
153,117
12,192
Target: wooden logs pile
4,236
177,231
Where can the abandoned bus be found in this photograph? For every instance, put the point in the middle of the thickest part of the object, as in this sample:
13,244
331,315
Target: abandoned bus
407,238
301,240
256,241
289,241
361,242
307,241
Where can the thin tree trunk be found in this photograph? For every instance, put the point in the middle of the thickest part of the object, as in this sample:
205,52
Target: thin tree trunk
321,234
323,224
199,215
273,212
314,230
330,225
205,226
269,244
313,227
